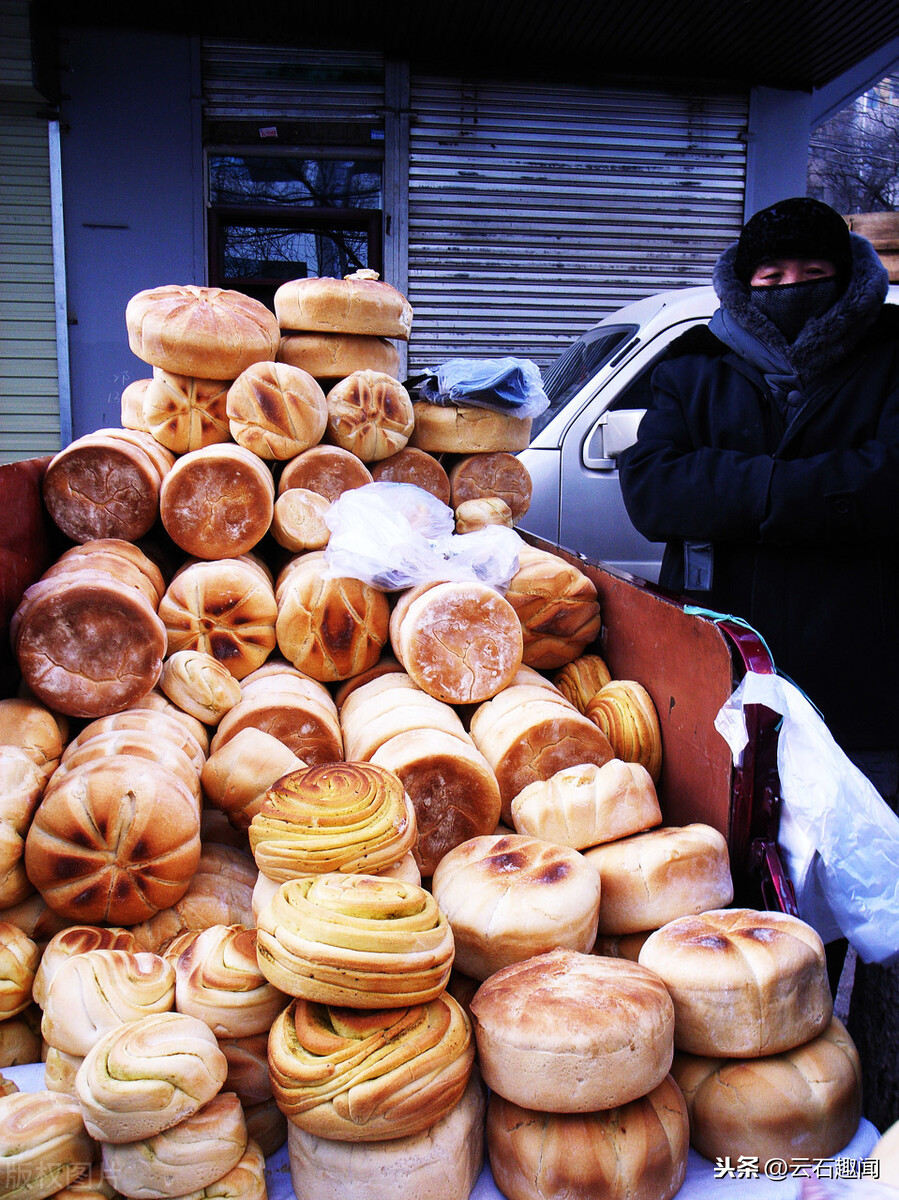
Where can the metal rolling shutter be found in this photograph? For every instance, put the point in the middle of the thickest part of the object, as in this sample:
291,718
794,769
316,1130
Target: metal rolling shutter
534,210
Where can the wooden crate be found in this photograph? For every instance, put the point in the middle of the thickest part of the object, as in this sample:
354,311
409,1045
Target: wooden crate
882,231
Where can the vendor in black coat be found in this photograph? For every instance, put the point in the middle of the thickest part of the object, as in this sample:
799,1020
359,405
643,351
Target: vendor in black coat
768,461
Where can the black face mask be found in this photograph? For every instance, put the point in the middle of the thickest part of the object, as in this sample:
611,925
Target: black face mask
790,305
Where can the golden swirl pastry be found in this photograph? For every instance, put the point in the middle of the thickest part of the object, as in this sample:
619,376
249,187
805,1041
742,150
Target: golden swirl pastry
581,679
624,711
199,684
148,1075
218,980
183,1159
348,816
19,961
360,940
43,1144
76,939
99,990
363,1077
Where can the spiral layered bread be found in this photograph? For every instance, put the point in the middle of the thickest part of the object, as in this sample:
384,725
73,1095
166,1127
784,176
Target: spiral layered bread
105,485
208,332
359,303
652,878
327,470
76,939
410,465
485,476
557,606
182,1159
586,805
100,990
571,1032
148,1075
369,414
442,1162
634,1151
115,841
236,777
363,941
19,959
217,978
528,732
580,679
744,983
623,709
276,410
508,897
248,1074
370,1076
804,1103
224,608
332,356
352,817
199,684
329,628
467,429
184,413
217,502
86,645
43,1144
460,642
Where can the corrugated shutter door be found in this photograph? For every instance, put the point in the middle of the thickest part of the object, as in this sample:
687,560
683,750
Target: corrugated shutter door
534,210
29,385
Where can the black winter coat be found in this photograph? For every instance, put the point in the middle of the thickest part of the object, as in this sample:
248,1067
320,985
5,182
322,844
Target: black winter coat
804,520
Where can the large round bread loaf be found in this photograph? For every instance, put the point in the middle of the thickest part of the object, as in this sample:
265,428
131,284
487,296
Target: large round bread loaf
411,1063
380,715
276,410
802,1104
650,878
30,727
460,642
369,414
217,502
236,777
635,1151
411,465
115,841
333,356
482,476
359,303
557,606
744,983
148,1075
508,897
571,1032
327,470
305,724
86,645
467,429
224,608
209,332
442,1162
299,521
184,413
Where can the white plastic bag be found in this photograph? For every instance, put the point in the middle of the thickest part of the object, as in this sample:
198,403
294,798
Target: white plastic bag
838,836
397,535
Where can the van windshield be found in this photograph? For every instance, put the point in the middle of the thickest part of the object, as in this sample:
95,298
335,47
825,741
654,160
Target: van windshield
564,377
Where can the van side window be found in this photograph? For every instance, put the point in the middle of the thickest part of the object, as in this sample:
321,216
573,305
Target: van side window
564,377
638,392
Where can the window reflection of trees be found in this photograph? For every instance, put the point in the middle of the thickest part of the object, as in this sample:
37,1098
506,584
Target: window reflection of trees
276,253
319,183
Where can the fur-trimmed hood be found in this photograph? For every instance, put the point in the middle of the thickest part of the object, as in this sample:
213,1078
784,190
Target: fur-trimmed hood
825,340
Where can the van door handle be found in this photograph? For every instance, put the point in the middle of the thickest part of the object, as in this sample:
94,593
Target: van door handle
612,433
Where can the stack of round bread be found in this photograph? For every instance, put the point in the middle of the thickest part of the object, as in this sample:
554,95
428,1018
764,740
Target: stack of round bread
493,488
765,1068
392,723
577,1051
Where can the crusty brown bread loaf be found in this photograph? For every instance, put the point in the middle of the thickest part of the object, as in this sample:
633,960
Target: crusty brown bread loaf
571,1032
276,410
235,778
557,606
467,429
208,332
411,465
299,521
804,1103
509,897
184,413
328,470
499,474
217,502
360,303
472,515
19,959
332,356
635,1151
369,414
744,983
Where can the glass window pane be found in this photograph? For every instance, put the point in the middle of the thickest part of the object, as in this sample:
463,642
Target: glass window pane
316,183
565,377
273,253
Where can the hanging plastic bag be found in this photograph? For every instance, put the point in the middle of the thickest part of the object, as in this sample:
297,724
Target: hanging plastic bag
838,836
510,385
397,535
